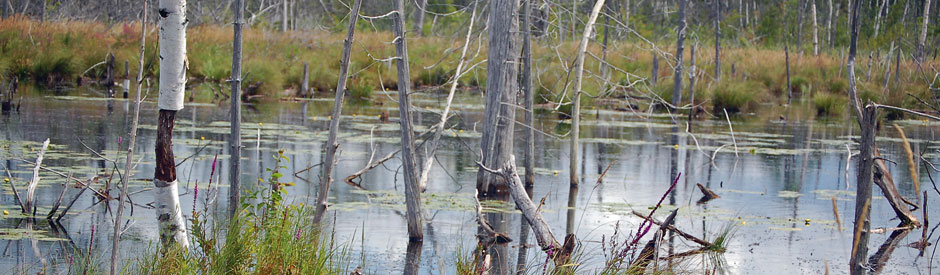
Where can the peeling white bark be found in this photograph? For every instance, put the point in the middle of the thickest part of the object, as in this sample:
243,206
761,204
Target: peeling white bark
169,215
172,54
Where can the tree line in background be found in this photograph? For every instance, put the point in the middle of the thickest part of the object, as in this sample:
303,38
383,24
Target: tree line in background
801,23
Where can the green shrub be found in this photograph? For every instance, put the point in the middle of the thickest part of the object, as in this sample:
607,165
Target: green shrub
734,97
828,104
434,77
799,85
838,86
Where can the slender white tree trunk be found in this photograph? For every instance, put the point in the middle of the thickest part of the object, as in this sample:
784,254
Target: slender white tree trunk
284,16
815,28
172,85
829,26
576,109
921,42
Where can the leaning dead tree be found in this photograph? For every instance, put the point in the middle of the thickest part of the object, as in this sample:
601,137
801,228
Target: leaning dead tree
326,178
576,97
235,138
530,212
501,87
409,168
172,86
116,238
426,172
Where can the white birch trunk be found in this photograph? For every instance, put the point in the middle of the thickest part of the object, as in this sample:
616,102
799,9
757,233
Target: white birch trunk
169,214
172,85
172,54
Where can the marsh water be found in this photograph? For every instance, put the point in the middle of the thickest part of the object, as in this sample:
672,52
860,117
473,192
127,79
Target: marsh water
778,187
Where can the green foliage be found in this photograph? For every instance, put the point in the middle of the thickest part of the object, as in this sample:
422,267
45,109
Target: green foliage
828,104
266,237
436,76
800,85
734,96
213,63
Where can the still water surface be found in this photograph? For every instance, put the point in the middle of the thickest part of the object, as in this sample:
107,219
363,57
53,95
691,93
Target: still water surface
777,190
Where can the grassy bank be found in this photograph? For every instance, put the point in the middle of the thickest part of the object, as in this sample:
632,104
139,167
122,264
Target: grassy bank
61,53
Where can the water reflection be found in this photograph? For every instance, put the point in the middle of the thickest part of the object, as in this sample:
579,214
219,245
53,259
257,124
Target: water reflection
643,151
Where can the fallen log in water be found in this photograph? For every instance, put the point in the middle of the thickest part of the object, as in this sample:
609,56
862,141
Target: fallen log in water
543,234
675,230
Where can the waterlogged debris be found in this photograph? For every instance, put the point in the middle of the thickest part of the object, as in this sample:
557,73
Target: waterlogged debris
785,228
788,194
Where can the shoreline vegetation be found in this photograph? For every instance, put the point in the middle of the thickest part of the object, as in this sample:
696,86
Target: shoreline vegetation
63,54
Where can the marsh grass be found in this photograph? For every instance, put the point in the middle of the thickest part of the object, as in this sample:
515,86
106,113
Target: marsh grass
55,53
267,237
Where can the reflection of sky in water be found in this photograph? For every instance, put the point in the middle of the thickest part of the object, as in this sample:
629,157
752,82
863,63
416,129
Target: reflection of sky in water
791,176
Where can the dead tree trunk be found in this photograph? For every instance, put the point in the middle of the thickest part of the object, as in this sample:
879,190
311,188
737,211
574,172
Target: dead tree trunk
692,83
235,139
109,79
717,40
922,40
829,26
799,27
680,33
305,84
866,121
412,193
786,52
419,17
501,75
529,95
812,13
172,85
284,16
326,178
116,238
576,98
127,78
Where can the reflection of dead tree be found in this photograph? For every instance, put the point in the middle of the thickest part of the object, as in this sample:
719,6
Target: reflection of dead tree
878,260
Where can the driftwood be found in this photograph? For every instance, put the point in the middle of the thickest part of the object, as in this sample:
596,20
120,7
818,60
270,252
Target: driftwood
66,210
672,228
543,233
708,194
31,188
882,177
878,260
357,174
16,194
648,254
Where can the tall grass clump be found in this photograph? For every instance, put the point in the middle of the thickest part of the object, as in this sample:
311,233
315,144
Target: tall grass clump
268,236
734,96
828,104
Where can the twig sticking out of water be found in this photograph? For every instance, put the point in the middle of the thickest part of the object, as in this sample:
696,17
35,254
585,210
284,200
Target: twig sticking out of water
16,194
59,201
732,132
